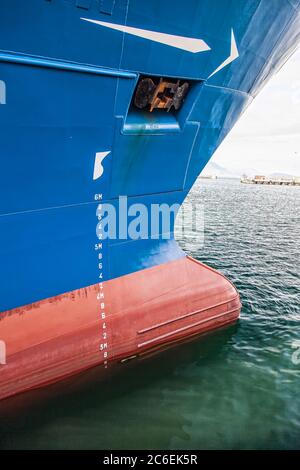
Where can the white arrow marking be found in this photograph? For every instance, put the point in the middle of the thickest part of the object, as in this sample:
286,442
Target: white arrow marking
180,42
234,54
98,167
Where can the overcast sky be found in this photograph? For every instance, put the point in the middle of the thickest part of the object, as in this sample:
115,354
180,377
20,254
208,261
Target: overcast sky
267,136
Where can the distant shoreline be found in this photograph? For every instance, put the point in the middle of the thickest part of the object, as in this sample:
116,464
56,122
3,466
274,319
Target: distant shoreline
220,177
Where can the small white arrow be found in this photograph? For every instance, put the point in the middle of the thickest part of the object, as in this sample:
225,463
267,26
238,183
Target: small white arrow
180,42
234,54
98,167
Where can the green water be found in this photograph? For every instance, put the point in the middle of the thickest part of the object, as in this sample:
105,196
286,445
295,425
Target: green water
238,388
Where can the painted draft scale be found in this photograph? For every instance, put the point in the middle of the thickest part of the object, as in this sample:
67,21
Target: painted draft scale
108,98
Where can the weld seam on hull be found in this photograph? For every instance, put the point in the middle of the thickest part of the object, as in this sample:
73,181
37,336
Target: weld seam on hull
173,320
63,65
179,330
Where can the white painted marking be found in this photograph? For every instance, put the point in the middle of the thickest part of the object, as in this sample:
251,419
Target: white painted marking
234,54
2,92
180,42
98,167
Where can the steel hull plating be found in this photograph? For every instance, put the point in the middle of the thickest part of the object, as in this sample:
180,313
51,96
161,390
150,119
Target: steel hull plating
70,138
57,337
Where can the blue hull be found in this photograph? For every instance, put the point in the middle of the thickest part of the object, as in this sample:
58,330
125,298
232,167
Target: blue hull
66,89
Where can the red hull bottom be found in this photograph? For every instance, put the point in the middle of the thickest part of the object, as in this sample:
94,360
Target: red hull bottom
105,323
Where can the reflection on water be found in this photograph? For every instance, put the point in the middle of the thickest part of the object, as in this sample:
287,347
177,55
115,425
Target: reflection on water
236,388
88,412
